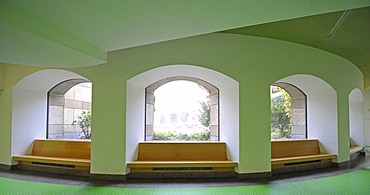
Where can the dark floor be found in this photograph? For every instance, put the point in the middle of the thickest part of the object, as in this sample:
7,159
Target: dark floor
361,162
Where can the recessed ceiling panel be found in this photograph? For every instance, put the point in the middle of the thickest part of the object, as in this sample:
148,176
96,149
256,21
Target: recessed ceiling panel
22,47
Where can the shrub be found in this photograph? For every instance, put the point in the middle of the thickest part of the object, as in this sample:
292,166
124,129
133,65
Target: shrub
84,121
179,136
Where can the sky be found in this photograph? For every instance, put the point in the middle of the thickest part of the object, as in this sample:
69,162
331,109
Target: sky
179,96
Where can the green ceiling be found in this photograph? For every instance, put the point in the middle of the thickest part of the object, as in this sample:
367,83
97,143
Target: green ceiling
77,33
351,40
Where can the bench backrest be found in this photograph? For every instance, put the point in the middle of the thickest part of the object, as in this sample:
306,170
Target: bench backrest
287,148
182,151
62,148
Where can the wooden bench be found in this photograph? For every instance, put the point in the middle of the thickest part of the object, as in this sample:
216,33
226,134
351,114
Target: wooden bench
182,157
287,153
355,152
354,148
66,154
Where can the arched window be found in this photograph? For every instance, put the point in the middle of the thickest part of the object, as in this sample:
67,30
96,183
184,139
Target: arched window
181,109
69,110
288,112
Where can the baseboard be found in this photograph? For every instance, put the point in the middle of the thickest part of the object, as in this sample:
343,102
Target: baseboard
254,175
53,170
107,177
341,165
181,175
302,167
6,167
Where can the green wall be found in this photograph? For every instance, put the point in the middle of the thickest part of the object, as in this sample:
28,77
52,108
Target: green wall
5,126
2,75
254,62
13,74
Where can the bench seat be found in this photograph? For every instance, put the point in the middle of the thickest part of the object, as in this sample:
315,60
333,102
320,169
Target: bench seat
66,154
53,160
182,157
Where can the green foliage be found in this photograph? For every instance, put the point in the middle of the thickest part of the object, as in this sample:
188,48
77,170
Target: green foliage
204,114
281,116
178,136
84,121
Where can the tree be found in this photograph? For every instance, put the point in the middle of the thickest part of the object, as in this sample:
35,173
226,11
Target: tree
204,114
281,117
84,121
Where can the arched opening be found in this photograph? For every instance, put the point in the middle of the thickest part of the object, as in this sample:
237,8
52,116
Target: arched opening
30,107
356,116
321,109
288,112
181,109
69,110
228,104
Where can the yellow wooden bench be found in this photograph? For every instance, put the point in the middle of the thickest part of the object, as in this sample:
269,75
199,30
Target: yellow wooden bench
297,152
182,157
355,148
66,154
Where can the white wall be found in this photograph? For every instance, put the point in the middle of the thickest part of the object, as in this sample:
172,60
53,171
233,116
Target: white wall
135,118
356,117
322,120
228,105
30,107
29,119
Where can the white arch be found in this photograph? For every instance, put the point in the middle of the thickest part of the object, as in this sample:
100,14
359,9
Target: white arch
30,107
322,120
356,117
229,104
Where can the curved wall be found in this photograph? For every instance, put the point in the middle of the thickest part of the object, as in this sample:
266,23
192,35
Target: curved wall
356,117
253,62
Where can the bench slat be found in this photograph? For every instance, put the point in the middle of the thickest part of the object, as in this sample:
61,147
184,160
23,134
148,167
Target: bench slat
62,148
288,148
182,151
